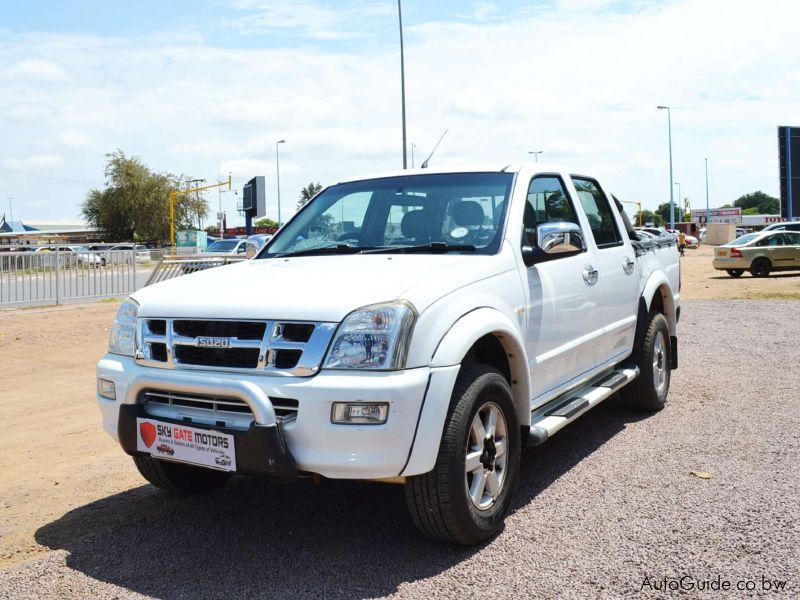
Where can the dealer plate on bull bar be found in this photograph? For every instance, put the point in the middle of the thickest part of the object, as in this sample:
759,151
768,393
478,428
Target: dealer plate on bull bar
201,447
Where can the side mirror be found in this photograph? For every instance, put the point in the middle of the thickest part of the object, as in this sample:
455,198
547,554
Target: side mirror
554,240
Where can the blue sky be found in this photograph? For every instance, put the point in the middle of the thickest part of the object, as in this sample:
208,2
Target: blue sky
204,88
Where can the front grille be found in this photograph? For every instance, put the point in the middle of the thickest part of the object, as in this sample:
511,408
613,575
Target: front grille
269,347
212,407
243,330
238,358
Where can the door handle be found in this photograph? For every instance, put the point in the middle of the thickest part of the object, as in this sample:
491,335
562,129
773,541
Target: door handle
590,274
628,265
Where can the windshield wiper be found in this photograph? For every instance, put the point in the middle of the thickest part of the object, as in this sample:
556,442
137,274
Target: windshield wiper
435,247
334,249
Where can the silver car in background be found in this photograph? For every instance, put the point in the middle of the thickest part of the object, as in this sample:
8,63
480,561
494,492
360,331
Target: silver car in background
256,242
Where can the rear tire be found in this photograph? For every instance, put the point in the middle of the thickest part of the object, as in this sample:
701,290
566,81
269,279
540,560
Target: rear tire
467,495
179,479
653,354
761,267
735,272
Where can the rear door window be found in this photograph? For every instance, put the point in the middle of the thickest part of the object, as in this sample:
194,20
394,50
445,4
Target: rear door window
598,211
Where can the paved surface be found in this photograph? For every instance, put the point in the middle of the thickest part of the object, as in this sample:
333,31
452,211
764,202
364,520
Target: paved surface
601,507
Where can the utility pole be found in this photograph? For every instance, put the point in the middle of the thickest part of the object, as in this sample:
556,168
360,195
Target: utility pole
708,209
671,184
402,81
278,177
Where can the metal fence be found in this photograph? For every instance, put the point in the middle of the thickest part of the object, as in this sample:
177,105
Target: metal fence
175,266
53,276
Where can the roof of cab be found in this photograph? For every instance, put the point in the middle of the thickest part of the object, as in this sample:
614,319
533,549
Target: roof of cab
472,168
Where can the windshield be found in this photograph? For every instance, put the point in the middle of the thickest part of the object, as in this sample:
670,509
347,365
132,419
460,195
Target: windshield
745,239
79,248
223,246
442,210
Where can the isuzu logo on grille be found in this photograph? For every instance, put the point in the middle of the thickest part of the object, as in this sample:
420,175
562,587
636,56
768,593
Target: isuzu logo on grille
214,342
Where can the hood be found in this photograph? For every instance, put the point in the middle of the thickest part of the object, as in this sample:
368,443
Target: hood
314,288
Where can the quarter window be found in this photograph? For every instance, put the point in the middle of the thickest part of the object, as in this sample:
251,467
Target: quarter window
792,239
598,211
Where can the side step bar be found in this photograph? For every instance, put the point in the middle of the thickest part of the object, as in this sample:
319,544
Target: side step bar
548,419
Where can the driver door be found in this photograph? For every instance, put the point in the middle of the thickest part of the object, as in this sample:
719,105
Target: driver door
563,300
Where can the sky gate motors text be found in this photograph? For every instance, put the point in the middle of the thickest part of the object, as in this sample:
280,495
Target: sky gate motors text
178,433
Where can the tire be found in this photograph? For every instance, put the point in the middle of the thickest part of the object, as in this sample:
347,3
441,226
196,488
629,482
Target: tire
180,479
653,353
735,272
761,267
440,501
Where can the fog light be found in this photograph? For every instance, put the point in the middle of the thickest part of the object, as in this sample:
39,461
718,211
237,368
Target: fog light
362,413
106,389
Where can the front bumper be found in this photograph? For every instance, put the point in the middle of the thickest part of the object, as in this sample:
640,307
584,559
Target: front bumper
260,450
316,444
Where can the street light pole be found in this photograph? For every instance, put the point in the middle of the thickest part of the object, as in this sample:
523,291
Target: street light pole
278,176
536,154
413,145
708,210
672,226
671,186
402,81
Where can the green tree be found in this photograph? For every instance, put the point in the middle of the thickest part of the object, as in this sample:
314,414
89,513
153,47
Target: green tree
308,192
764,203
135,202
648,216
266,222
663,212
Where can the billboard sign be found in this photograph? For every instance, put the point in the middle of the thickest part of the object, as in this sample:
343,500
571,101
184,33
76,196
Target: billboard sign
254,197
718,215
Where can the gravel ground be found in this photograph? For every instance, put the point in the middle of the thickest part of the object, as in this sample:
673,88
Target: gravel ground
607,503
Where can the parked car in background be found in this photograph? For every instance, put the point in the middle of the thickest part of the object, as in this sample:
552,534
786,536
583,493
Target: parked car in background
142,253
230,246
80,256
656,233
760,253
257,242
785,226
228,250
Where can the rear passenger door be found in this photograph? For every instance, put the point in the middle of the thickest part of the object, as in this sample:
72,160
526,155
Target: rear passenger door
617,274
793,241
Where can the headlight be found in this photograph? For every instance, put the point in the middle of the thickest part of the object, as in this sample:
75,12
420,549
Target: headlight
123,332
373,337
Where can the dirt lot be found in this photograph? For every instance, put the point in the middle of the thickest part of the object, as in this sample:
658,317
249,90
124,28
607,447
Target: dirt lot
702,282
605,504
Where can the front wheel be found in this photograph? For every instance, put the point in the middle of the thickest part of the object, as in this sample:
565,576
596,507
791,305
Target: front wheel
467,495
178,478
735,272
648,392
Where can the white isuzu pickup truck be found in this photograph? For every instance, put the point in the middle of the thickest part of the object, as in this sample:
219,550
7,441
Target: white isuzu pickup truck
419,327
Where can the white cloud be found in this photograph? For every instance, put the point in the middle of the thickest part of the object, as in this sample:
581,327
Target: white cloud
37,69
33,163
